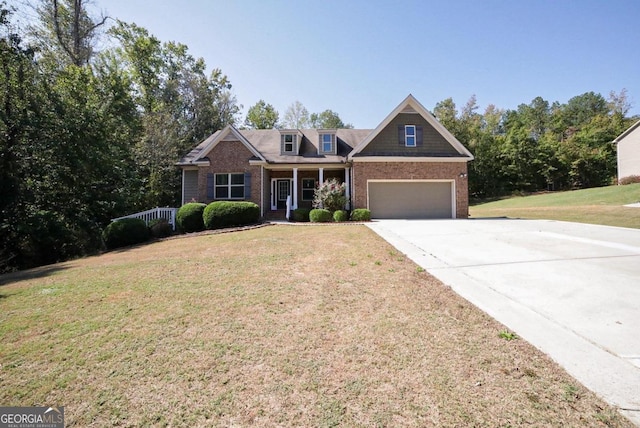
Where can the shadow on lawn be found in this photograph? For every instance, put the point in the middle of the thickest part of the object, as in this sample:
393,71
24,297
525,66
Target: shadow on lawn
34,273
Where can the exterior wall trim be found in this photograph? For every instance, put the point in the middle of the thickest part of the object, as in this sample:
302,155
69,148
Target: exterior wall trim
299,166
406,159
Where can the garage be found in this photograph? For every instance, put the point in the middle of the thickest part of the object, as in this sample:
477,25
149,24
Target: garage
411,199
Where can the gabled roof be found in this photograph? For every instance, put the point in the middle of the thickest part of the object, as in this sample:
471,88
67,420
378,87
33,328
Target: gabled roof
411,105
627,132
265,144
197,155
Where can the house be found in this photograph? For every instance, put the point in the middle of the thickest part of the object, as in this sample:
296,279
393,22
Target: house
628,144
409,166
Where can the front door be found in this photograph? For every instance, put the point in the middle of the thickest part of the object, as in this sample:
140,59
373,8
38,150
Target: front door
283,190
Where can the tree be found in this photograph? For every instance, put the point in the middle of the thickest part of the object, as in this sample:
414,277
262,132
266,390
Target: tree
582,108
66,33
179,105
446,113
262,116
535,117
619,103
64,150
328,119
296,116
492,120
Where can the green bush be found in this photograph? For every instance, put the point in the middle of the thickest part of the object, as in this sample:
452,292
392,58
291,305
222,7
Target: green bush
361,214
189,217
221,214
340,216
320,215
128,231
160,228
300,214
47,238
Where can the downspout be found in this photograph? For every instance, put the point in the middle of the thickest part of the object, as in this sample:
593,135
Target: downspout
262,191
182,196
347,177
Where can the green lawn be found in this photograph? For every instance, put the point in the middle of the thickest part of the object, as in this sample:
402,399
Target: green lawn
317,326
602,205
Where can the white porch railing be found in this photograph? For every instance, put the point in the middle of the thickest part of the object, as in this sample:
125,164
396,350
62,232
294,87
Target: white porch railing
168,214
288,213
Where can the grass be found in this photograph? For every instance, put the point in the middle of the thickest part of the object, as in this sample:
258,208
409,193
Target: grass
278,326
602,205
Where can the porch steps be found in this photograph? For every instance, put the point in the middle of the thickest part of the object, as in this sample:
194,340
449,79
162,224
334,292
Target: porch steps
279,215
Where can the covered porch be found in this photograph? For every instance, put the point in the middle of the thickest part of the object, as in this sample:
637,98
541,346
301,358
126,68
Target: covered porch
297,184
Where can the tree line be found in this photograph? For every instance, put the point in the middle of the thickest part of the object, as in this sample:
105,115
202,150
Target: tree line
86,136
89,135
541,145
264,116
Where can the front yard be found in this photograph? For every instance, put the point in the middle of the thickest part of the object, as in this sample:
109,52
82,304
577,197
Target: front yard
598,205
276,326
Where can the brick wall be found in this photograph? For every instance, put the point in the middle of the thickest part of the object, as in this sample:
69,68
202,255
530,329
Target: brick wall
363,171
230,157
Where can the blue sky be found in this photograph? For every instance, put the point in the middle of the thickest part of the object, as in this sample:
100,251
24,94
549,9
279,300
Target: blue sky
362,58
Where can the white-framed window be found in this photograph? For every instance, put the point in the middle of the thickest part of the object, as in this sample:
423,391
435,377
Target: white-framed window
229,186
327,142
308,188
410,135
289,143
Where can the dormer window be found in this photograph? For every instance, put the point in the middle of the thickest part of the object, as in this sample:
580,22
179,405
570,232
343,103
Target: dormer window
289,144
327,143
410,135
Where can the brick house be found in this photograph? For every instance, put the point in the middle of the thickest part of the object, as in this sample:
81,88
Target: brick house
409,166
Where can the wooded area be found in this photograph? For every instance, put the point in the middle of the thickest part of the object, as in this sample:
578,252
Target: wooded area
87,136
540,145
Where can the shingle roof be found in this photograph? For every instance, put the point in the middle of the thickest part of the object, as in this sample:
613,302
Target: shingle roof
196,153
267,142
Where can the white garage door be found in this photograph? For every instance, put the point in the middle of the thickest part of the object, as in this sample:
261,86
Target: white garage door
411,199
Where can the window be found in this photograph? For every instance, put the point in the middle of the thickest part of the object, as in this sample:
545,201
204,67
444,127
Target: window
289,143
308,188
229,186
326,143
410,135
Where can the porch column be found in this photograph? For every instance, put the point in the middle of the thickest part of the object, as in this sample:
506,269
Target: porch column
347,182
320,175
295,189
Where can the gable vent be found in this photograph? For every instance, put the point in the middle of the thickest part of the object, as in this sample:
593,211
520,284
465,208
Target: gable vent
408,109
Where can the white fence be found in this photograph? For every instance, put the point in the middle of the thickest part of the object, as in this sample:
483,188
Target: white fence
168,214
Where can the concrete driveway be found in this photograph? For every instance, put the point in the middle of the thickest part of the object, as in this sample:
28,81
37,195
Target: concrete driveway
572,290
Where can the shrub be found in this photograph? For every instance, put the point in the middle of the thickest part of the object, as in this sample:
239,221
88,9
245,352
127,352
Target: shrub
189,217
160,228
629,179
361,214
221,214
300,214
320,215
128,231
47,238
340,216
330,195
